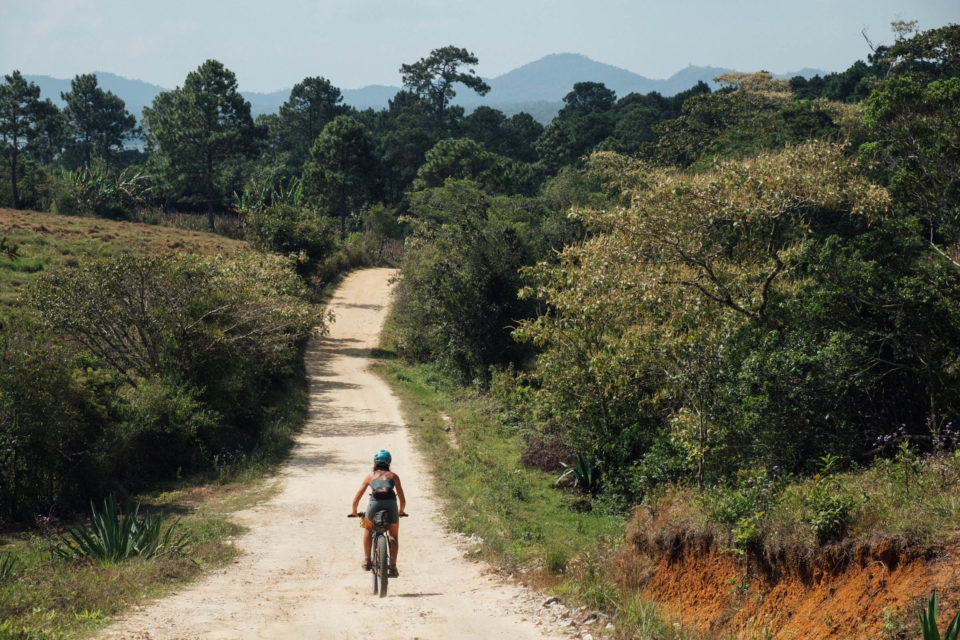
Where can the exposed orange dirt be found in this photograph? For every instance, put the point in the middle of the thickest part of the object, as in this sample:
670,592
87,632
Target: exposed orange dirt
842,592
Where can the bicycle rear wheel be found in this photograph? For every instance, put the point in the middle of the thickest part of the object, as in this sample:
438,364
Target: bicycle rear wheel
382,562
375,560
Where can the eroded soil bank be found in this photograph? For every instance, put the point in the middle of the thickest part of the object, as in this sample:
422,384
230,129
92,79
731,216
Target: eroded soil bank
839,592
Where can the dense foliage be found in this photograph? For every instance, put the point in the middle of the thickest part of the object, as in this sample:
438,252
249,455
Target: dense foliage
135,369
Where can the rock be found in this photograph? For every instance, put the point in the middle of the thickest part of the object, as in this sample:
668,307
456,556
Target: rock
551,600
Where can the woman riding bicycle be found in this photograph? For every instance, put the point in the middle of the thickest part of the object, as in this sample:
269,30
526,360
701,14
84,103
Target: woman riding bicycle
385,490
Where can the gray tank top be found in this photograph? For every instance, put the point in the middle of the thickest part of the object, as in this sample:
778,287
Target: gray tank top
382,488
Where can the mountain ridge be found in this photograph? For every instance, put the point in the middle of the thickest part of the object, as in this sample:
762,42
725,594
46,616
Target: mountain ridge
537,87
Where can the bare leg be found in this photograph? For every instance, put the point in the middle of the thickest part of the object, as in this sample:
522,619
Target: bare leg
367,540
394,534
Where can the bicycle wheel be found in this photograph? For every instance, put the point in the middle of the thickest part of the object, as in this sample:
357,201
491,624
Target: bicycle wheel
383,560
375,569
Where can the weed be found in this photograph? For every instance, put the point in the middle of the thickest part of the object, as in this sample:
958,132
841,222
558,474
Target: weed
8,566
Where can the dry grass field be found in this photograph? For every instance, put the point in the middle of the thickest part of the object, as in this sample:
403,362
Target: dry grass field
48,241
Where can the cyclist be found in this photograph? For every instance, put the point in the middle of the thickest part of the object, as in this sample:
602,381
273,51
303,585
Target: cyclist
385,491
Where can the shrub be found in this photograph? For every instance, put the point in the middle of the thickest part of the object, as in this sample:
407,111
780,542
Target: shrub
829,505
289,229
582,472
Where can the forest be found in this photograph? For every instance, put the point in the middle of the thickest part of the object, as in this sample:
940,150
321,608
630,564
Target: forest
655,290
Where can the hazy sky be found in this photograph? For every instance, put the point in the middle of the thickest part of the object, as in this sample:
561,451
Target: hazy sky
273,44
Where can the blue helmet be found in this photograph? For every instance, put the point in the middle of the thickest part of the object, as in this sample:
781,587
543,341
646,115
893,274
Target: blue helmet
382,456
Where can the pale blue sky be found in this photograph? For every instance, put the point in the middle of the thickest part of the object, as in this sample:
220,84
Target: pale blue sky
273,44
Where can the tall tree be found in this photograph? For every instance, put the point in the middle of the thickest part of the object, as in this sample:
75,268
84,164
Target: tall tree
198,132
313,103
344,171
433,77
97,121
584,121
22,116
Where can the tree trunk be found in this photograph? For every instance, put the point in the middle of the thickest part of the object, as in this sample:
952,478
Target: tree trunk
13,175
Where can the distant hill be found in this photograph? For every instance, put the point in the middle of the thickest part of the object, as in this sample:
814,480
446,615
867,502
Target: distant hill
537,88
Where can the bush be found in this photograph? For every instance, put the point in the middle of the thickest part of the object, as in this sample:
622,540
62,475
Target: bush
828,505
289,229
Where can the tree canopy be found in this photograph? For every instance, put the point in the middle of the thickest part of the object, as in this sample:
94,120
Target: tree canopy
97,121
434,76
198,133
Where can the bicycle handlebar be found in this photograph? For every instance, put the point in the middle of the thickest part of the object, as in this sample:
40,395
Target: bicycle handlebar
350,515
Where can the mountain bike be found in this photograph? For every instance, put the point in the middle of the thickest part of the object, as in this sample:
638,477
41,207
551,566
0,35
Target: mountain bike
379,551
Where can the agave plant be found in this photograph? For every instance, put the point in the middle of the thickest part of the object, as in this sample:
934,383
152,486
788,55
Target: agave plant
112,535
583,471
928,622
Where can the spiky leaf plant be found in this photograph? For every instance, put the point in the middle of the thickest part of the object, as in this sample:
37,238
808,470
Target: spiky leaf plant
113,535
928,622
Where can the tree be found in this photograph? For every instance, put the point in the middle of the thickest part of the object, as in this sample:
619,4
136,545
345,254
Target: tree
584,121
407,130
685,291
737,121
917,150
22,116
931,54
343,171
458,293
433,77
512,137
197,131
460,159
97,121
313,103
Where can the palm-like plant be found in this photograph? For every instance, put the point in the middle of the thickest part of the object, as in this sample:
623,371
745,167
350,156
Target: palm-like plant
928,622
583,471
112,535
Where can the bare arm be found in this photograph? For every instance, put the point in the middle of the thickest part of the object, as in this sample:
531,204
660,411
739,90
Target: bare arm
396,485
363,487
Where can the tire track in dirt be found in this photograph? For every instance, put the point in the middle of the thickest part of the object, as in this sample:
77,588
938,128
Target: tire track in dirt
299,575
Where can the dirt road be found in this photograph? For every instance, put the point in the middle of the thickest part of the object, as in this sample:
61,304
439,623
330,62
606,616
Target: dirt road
300,574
